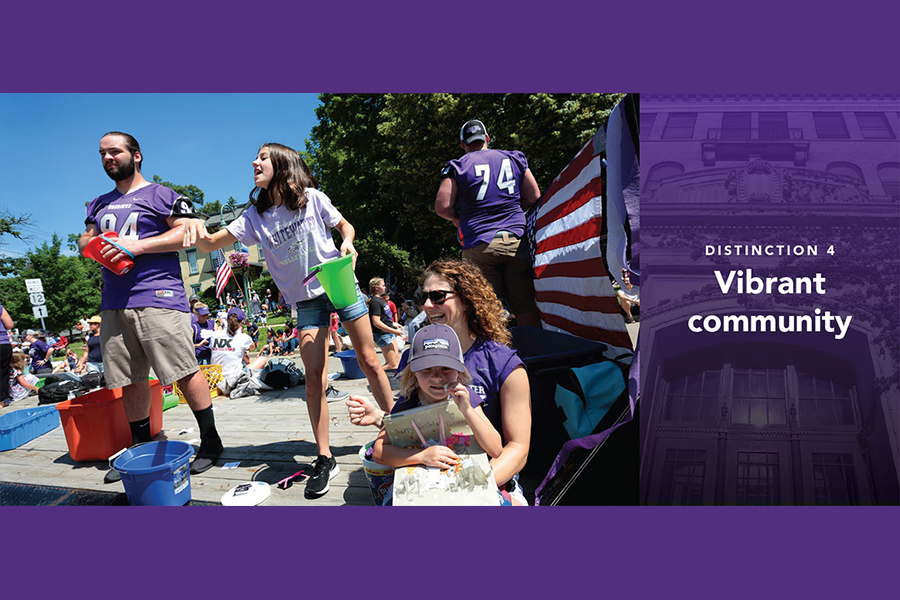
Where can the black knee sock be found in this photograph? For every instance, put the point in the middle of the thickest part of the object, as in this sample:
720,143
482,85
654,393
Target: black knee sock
206,420
140,431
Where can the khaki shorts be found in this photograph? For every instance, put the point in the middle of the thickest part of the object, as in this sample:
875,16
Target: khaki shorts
134,339
506,265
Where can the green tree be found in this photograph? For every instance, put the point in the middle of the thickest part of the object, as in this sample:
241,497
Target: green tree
72,287
208,297
262,284
11,224
379,158
192,192
210,208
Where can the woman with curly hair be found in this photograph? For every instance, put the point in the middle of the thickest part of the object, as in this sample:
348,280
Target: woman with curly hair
455,293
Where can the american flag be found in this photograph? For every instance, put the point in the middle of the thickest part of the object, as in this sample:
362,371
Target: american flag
572,287
223,272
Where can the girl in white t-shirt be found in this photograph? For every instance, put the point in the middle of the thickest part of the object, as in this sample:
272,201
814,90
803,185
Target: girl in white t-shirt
292,221
229,347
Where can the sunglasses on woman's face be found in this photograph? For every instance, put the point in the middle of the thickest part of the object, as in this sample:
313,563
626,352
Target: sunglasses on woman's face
437,297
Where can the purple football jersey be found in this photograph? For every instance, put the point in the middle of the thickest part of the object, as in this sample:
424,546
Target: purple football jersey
155,279
488,193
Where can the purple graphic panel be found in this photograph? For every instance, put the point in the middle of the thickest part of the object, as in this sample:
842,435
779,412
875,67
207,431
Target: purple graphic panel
770,326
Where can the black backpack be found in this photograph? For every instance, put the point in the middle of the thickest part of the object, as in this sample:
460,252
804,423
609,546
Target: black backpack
281,373
58,391
93,380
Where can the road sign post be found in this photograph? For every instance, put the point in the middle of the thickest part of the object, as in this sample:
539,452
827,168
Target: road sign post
34,286
35,289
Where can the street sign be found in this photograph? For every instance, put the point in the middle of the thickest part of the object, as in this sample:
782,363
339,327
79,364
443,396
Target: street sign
37,298
34,286
39,311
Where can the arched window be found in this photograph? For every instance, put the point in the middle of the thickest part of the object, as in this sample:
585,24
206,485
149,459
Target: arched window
846,169
889,173
662,171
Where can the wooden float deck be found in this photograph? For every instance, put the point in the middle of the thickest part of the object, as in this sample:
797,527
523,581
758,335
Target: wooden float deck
268,434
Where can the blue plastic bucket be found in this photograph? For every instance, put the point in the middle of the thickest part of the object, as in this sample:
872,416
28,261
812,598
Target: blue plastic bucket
351,366
156,473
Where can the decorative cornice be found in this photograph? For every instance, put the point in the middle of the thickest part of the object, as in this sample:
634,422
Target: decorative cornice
769,97
849,435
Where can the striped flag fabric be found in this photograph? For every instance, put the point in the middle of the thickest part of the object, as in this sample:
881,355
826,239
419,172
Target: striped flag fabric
223,272
572,287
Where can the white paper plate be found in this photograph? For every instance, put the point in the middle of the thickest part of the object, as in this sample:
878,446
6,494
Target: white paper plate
255,494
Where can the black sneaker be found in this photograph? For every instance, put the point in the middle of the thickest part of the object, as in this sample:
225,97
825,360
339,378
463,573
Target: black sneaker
333,395
112,476
324,470
206,457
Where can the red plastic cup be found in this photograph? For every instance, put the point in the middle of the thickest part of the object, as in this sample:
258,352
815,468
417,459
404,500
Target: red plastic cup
92,250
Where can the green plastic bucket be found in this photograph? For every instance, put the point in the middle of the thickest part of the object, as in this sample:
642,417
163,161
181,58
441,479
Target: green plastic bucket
336,276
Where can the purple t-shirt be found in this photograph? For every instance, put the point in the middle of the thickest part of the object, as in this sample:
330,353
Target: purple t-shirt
209,327
38,351
155,279
4,336
489,364
487,195
413,401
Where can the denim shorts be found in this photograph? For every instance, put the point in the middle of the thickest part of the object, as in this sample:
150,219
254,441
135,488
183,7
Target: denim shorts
382,339
316,313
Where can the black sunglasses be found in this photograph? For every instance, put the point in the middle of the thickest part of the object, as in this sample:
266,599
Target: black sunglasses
437,297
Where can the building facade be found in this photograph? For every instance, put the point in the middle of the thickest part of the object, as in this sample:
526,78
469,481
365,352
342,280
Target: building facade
770,417
198,269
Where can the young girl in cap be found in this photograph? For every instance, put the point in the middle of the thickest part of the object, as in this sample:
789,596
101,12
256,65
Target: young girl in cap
434,372
292,221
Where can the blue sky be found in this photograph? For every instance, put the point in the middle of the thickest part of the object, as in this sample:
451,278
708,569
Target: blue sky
50,166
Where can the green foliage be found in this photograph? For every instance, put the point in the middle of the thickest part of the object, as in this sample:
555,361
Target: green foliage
72,287
12,224
72,242
210,208
379,157
10,265
375,255
193,193
208,297
262,284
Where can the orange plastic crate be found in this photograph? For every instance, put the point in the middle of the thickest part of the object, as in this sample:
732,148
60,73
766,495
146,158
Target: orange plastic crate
96,426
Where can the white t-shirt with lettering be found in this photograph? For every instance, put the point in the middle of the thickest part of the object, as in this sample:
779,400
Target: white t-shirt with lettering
228,351
293,242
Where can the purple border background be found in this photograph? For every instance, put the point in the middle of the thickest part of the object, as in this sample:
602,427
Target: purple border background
413,46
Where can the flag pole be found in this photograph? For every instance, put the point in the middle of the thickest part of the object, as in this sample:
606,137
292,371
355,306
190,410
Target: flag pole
236,281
